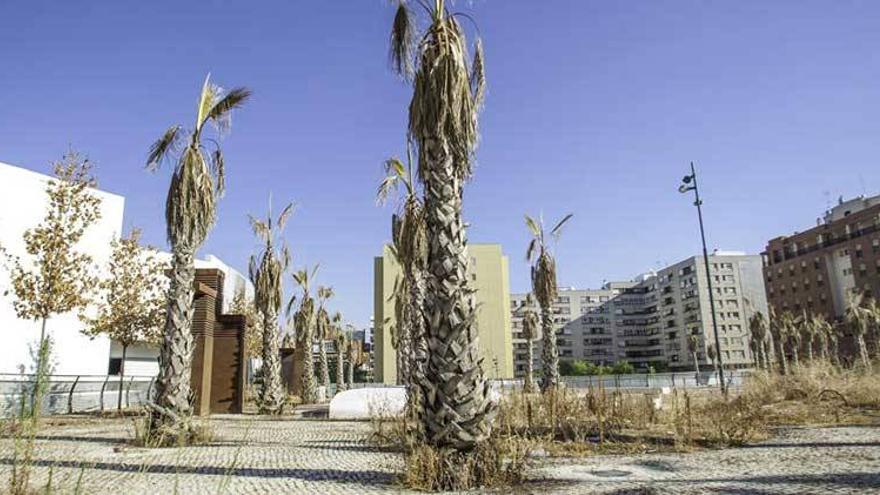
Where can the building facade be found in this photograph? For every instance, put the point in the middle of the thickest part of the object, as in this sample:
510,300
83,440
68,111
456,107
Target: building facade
646,321
23,203
489,274
815,271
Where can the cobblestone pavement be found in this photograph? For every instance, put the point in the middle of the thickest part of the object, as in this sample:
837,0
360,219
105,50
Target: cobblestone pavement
254,455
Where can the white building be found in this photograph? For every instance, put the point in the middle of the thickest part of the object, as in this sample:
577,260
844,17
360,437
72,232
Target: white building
23,206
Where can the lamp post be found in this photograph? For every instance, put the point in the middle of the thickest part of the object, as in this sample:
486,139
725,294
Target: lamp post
689,183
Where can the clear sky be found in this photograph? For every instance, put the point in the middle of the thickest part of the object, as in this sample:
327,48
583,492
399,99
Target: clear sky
594,107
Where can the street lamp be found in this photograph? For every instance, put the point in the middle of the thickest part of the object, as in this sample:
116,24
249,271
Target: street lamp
689,183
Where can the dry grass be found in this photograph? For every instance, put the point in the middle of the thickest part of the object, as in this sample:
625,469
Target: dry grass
189,434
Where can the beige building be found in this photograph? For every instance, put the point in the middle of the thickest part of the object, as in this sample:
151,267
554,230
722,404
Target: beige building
489,276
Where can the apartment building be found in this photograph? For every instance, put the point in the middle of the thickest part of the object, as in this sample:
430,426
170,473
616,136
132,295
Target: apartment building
646,321
815,270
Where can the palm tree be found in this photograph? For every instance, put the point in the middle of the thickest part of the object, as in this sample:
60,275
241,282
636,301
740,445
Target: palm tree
197,183
809,331
759,334
409,247
304,321
545,289
266,272
447,93
791,324
693,345
712,354
779,333
322,334
859,318
351,350
823,331
340,341
530,325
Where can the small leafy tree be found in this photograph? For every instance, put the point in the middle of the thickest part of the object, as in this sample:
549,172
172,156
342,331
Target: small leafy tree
131,302
57,278
253,338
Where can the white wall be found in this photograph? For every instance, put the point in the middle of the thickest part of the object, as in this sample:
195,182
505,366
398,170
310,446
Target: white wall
22,206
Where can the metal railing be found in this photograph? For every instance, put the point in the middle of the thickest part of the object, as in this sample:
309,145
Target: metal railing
68,394
658,381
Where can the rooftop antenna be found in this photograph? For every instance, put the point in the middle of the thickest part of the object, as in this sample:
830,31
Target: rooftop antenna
862,182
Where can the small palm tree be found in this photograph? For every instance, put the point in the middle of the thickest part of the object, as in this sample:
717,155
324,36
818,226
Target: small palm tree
545,289
323,334
859,319
443,116
530,326
779,333
712,354
758,337
266,272
409,248
304,321
341,342
809,332
693,345
793,336
197,183
352,352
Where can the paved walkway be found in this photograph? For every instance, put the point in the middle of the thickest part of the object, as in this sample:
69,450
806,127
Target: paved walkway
253,455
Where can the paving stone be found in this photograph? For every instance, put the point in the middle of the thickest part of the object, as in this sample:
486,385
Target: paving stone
252,455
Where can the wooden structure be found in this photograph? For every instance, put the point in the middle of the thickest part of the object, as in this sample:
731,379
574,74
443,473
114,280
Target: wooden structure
218,366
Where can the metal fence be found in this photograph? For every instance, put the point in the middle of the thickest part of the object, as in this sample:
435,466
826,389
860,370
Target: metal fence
67,394
734,379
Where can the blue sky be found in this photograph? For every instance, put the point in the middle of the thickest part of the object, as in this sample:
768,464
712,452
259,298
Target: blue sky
594,107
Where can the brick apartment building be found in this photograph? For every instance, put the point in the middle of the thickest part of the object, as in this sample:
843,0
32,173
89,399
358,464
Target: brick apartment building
814,270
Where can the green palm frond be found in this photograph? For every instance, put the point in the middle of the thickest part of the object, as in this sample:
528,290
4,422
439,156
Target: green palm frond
165,145
219,171
532,249
557,230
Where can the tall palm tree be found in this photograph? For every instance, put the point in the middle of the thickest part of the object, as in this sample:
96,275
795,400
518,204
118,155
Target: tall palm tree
447,93
304,321
530,326
340,341
409,247
544,288
266,272
873,306
323,334
352,353
197,183
859,319
693,345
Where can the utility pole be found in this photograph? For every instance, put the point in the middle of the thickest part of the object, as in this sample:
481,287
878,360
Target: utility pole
689,183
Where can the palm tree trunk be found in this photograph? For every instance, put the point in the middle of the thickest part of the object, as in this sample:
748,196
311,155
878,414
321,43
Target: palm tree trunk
529,381
863,351
350,372
418,345
308,370
272,391
549,352
696,368
175,357
121,377
457,409
340,370
810,349
783,359
795,351
323,365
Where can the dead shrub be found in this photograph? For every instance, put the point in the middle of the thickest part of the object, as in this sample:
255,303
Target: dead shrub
497,462
184,434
